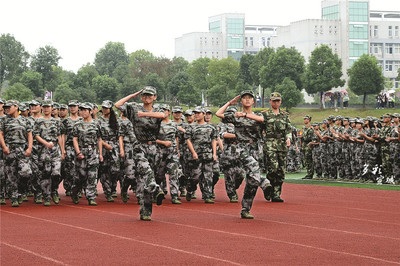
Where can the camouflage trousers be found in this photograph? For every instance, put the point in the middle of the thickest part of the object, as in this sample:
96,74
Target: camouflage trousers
168,164
68,169
293,161
331,160
232,170
50,168
248,155
17,170
347,150
308,161
386,163
395,158
202,172
370,161
2,177
109,170
87,171
339,159
128,169
147,188
276,165
317,160
359,160
34,181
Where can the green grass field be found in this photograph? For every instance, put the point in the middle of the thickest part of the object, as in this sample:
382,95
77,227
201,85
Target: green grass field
295,178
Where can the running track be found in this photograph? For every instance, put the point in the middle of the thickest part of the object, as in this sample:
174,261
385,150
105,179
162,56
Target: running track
316,225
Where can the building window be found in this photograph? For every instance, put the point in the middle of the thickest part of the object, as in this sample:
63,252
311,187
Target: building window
251,42
396,48
390,31
358,11
358,31
246,40
263,41
389,49
396,32
389,66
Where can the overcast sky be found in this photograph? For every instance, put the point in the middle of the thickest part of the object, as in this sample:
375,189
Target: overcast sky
78,29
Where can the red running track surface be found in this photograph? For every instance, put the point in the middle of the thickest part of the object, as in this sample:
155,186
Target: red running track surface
316,225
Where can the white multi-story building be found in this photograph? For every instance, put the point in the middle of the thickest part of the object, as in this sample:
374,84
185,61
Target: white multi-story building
347,26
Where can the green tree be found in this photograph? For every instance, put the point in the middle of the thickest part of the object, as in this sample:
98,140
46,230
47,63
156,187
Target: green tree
106,88
291,96
33,81
182,91
222,80
85,75
198,73
111,58
323,72
63,94
18,91
44,61
285,62
141,63
244,73
13,58
129,86
365,76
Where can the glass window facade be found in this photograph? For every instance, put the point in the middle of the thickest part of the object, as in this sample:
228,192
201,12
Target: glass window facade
358,11
358,31
357,49
235,26
331,12
215,26
235,42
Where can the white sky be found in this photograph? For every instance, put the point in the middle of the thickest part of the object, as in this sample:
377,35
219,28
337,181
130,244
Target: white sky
78,29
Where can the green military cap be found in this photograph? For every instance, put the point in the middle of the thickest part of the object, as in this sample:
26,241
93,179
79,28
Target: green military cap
275,96
331,117
34,102
165,107
247,92
86,105
188,112
315,124
73,103
307,117
387,115
23,107
346,118
149,90
232,109
56,105
63,106
47,103
1,101
208,111
352,120
325,121
177,109
339,117
11,103
199,109
107,104
359,121
397,115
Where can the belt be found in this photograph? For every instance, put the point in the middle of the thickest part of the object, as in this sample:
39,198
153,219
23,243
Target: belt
277,136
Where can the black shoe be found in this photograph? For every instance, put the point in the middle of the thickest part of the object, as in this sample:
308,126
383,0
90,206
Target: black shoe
268,193
188,196
246,215
277,199
159,198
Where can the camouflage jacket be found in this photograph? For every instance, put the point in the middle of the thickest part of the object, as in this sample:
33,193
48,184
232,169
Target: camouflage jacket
47,129
15,130
277,129
126,131
246,130
88,133
201,137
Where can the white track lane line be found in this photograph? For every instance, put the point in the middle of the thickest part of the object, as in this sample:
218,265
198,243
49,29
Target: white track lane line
34,253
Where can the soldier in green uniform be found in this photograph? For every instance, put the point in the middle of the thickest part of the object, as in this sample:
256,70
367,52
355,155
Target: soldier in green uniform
307,137
384,137
16,142
2,176
277,140
146,122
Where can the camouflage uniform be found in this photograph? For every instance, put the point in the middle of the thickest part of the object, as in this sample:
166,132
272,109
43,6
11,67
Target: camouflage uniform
68,169
34,181
277,129
247,152
385,131
293,158
347,149
307,137
88,135
359,155
230,164
168,160
201,136
49,159
2,176
17,167
127,162
371,157
146,131
109,169
316,153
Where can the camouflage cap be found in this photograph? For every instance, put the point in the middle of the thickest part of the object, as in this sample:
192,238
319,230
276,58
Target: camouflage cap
165,107
339,117
73,103
208,111
56,105
275,96
47,103
23,107
232,109
11,103
307,117
397,115
346,118
34,102
63,106
199,109
352,120
107,104
188,112
331,117
325,121
177,109
315,124
86,105
387,115
149,90
247,92
1,101
359,121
